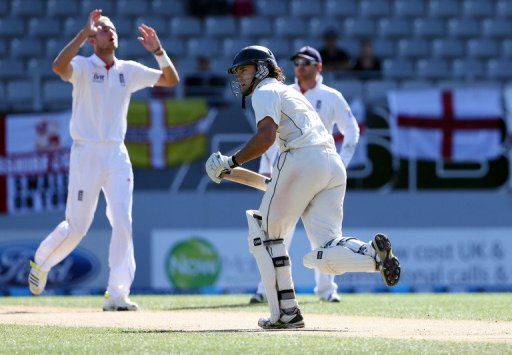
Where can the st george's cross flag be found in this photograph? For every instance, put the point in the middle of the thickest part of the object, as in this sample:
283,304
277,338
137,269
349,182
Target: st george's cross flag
459,125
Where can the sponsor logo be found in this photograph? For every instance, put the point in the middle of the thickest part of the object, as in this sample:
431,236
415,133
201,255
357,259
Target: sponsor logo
318,105
98,78
319,254
78,267
121,79
80,195
193,263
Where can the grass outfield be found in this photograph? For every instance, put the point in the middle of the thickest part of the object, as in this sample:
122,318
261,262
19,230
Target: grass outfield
458,307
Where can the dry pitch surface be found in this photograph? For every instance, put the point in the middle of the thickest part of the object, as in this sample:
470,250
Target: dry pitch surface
236,321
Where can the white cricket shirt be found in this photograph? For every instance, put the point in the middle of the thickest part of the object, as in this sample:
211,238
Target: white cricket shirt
101,97
298,123
334,109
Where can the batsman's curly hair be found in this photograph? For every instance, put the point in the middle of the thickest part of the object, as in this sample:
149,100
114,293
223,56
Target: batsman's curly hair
275,71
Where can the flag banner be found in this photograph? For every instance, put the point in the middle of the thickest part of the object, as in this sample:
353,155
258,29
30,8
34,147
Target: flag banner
164,133
360,157
458,125
34,162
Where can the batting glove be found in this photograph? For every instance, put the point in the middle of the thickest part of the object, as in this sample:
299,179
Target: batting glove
217,165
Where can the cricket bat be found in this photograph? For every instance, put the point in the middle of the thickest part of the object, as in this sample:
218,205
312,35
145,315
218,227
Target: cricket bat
248,178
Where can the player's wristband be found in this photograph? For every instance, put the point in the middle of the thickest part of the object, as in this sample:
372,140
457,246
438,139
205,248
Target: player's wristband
232,162
163,60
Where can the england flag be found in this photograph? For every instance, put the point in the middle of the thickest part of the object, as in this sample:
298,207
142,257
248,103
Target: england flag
458,125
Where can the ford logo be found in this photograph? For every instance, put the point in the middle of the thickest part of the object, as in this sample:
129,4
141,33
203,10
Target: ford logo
79,266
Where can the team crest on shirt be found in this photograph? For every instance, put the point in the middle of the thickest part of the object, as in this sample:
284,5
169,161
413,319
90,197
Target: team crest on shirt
98,78
318,105
121,79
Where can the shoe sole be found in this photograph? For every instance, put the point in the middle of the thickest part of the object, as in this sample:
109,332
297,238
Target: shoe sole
390,266
280,325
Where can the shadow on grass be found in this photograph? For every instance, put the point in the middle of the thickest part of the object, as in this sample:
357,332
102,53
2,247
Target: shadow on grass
224,306
222,331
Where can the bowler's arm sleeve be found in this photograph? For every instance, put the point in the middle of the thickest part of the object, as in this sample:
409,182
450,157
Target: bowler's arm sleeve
143,76
78,63
347,125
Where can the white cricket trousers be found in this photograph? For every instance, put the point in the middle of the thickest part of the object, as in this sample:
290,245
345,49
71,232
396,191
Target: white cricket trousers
93,167
307,183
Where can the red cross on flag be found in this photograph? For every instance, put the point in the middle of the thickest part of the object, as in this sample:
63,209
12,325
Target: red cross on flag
459,125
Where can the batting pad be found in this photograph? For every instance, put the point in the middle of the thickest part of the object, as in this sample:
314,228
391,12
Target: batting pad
283,269
264,261
337,260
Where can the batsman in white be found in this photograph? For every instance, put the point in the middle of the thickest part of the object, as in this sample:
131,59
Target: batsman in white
333,109
309,184
102,86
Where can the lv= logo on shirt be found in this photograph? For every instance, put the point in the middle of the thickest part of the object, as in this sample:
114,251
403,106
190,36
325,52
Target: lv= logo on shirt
98,78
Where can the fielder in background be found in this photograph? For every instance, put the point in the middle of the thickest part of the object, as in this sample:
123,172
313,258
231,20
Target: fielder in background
102,86
309,183
333,109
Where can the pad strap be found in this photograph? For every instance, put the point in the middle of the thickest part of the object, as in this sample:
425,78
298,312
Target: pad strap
285,295
273,241
281,261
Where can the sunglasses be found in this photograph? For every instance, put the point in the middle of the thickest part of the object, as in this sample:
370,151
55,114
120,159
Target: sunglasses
304,62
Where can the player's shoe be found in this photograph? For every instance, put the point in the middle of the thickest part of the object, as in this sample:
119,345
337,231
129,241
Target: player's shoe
332,297
258,298
36,279
287,321
123,303
387,262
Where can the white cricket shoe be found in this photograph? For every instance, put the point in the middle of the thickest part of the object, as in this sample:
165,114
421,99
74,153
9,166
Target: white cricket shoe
286,321
122,303
36,279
